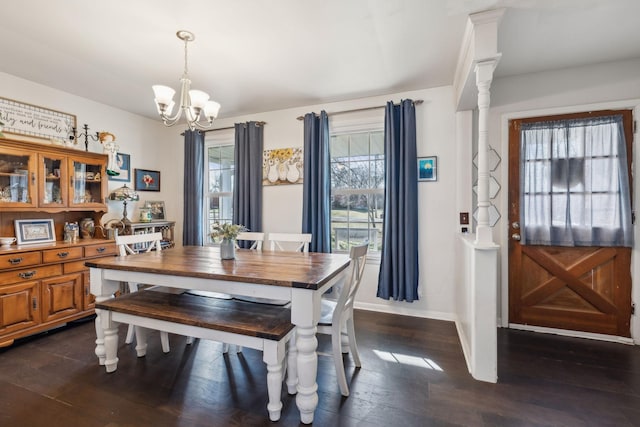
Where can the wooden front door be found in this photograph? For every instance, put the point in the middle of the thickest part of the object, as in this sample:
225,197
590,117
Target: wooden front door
576,288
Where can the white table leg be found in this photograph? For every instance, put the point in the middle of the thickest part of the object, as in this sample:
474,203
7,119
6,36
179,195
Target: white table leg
100,352
305,312
103,290
307,398
292,366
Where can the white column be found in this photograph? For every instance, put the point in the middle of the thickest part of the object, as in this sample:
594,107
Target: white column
484,76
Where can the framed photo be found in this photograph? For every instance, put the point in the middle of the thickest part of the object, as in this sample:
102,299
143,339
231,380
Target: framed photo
147,180
124,163
34,231
157,210
428,168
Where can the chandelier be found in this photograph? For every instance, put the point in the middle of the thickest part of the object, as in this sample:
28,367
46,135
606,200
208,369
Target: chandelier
195,104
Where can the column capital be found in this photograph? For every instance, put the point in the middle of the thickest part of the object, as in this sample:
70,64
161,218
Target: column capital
484,68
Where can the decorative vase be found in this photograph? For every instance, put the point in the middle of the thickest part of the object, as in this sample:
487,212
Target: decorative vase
227,249
87,228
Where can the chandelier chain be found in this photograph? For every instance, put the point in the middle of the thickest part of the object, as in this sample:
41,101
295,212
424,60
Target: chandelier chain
186,68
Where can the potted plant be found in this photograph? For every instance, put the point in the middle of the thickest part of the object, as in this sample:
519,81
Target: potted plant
228,233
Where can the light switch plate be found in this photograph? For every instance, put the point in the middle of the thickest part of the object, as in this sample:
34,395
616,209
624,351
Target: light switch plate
464,218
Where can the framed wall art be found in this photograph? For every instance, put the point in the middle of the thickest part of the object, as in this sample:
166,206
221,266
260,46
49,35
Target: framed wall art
146,180
124,163
34,231
30,120
282,166
428,168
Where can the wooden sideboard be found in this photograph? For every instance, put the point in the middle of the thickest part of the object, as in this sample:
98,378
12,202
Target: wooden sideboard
46,285
43,286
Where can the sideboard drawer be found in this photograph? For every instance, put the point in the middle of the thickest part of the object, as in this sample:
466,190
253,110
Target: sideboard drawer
74,266
77,266
20,259
35,273
109,248
62,254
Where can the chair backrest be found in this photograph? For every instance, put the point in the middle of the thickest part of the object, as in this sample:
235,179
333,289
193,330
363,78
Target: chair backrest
293,242
358,255
136,243
253,236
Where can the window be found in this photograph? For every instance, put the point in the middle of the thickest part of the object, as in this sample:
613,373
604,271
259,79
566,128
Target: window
575,181
357,190
219,183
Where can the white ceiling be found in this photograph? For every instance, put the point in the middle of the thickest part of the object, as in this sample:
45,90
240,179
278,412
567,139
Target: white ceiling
254,55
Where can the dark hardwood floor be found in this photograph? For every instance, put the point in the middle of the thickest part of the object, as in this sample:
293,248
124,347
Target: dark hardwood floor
413,374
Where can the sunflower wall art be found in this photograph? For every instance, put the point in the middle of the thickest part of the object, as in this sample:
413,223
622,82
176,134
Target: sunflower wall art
282,166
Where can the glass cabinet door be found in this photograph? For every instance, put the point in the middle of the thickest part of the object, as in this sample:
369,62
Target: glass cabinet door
53,173
88,183
17,178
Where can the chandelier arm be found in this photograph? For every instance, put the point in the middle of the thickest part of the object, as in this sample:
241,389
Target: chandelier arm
200,126
170,121
173,119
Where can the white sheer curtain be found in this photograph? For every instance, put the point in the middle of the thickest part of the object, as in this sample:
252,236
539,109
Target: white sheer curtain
574,183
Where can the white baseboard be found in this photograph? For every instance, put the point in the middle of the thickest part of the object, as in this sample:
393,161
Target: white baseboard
405,311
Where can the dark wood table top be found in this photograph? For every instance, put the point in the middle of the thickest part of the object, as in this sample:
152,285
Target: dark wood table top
288,269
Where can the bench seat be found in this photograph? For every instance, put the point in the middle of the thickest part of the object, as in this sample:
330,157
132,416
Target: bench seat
262,327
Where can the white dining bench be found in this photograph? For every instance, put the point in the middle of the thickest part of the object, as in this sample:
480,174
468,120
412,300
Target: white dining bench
262,327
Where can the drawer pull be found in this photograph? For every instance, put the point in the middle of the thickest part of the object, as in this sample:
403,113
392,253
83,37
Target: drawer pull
63,254
35,303
27,274
86,290
100,250
14,261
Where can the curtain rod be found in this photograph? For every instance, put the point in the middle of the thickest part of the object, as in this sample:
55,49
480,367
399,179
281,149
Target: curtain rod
232,127
416,102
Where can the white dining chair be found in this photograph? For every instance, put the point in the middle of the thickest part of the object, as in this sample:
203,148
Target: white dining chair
132,245
255,237
336,317
294,242
258,239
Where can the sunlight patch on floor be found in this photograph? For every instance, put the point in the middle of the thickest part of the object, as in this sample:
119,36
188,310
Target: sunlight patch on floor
421,362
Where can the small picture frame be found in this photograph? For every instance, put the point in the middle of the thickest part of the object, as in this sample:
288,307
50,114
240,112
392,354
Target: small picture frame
34,231
157,209
147,180
124,163
428,168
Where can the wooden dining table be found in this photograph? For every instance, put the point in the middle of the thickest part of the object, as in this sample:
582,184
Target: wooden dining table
298,277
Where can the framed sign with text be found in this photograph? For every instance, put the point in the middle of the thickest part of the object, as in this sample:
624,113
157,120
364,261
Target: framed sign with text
31,120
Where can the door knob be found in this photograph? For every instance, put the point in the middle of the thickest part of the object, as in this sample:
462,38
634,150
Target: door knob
515,236
515,225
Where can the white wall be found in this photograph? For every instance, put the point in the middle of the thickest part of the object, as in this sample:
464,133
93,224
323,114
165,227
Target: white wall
153,146
150,144
282,210
611,85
